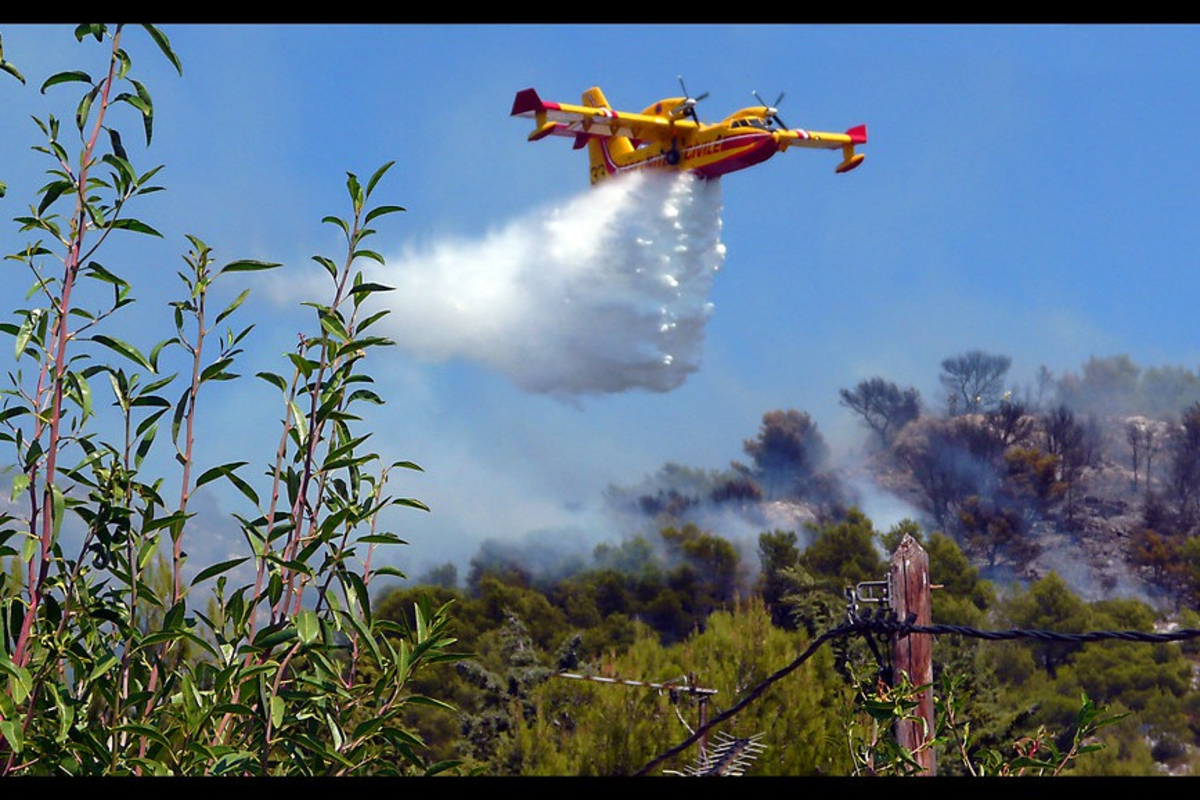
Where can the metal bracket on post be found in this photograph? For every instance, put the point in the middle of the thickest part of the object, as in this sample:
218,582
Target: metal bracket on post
878,592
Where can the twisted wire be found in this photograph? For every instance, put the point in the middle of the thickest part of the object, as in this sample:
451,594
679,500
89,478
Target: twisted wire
887,623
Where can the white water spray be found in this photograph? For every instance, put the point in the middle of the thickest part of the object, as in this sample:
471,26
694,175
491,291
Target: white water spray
605,294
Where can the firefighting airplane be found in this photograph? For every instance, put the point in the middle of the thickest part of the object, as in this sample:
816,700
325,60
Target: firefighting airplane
669,136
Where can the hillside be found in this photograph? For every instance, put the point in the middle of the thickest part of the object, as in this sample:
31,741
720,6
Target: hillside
1104,497
1087,538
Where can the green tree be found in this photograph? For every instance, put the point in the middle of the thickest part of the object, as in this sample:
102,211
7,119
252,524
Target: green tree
1168,392
1109,385
788,458
1067,440
992,529
936,454
1048,605
846,551
883,406
777,553
1184,470
711,561
974,381
292,674
590,729
962,597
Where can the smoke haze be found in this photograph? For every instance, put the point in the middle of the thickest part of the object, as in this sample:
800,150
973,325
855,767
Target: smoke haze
608,293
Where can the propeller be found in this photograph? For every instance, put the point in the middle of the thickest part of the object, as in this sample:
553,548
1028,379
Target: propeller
689,102
772,110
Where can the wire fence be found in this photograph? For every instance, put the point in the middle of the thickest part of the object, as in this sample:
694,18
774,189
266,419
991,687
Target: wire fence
888,624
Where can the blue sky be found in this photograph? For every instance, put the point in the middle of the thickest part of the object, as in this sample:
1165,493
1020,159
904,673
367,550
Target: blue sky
1028,190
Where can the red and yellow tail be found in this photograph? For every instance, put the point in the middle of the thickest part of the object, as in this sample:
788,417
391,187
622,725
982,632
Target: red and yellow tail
604,153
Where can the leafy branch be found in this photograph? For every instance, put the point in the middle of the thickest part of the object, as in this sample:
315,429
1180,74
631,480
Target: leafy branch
111,662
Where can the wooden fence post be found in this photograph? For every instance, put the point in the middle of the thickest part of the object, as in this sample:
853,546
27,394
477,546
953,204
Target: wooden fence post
912,654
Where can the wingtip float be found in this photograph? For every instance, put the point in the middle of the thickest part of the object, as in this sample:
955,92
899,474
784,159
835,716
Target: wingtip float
669,136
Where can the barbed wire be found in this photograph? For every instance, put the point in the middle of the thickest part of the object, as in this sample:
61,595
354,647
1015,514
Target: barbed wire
905,628
887,623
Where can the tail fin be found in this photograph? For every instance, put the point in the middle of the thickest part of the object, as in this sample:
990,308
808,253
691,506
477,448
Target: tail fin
603,152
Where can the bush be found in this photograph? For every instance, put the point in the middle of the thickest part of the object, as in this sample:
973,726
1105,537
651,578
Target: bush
114,664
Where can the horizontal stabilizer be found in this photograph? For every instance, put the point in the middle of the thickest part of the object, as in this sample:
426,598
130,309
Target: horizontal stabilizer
543,130
527,100
850,162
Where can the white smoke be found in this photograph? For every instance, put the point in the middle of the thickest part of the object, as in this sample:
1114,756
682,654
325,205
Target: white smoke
608,293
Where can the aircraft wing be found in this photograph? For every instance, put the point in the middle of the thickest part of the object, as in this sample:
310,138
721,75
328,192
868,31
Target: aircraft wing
798,137
584,122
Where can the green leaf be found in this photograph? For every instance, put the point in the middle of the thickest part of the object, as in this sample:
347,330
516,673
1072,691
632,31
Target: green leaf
240,709
277,709
85,107
440,767
6,66
341,223
74,76
94,29
272,636
216,371
242,486
135,226
78,388
125,349
368,727
125,64
275,380
114,138
371,254
98,271
355,190
339,739
58,510
380,211
421,700
26,331
367,288
174,618
247,265
164,45
141,729
364,394
148,551
360,591
210,475
329,266
13,733
144,104
410,502
379,173
20,484
20,682
381,538
299,420
125,176
333,326
103,666
51,192
308,627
